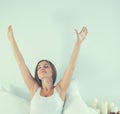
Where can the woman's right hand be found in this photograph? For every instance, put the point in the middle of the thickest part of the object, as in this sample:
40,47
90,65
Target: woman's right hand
82,34
10,33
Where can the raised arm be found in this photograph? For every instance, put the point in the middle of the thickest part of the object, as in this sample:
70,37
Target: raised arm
29,80
64,82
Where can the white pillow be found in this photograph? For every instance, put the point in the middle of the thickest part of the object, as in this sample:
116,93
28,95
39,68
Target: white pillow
12,104
13,101
74,103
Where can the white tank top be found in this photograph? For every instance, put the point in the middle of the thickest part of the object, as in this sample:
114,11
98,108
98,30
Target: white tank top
46,105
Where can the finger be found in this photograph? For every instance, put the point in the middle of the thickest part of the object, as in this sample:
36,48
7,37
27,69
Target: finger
76,32
82,30
86,30
10,27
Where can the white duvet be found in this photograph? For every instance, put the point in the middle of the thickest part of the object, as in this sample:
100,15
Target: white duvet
12,101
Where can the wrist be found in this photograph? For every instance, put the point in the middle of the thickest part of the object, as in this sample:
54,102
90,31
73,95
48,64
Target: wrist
12,40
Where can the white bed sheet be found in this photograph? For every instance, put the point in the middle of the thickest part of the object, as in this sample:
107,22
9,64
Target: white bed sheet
13,102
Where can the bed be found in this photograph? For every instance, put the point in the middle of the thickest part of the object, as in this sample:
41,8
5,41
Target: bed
14,100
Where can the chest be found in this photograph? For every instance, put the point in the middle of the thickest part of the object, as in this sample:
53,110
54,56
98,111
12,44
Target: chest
46,93
47,103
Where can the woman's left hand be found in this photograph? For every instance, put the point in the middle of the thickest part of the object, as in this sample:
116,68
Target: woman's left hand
10,33
82,34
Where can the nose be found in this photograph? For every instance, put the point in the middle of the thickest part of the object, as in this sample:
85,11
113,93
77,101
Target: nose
42,68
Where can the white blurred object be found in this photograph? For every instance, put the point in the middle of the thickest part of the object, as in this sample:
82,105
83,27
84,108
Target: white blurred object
98,111
12,104
74,103
95,103
104,108
110,106
114,109
14,100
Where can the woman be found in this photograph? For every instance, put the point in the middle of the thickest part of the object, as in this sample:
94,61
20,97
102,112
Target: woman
45,97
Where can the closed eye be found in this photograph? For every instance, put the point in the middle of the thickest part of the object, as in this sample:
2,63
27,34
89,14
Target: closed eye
46,66
38,68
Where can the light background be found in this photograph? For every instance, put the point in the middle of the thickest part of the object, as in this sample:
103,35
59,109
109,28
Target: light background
45,29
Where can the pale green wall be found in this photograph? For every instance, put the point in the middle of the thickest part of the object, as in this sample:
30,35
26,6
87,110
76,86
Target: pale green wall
45,29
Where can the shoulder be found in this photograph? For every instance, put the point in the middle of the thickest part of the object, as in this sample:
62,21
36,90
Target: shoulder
60,92
35,88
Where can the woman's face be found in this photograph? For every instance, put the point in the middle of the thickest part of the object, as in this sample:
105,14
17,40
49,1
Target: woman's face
44,70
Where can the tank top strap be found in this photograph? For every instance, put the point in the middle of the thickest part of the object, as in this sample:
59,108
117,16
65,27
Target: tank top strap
38,90
55,90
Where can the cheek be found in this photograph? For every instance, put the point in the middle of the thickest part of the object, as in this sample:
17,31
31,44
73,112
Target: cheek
38,73
50,72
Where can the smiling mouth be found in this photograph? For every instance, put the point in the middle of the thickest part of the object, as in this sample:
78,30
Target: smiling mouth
43,72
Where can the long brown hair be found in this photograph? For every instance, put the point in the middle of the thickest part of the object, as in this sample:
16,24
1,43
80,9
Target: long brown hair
54,73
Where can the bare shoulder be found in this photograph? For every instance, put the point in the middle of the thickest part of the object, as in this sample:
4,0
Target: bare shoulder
60,92
36,86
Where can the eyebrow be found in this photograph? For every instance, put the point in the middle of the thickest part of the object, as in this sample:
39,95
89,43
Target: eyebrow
45,64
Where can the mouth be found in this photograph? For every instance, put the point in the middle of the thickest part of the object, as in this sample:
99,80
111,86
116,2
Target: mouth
43,72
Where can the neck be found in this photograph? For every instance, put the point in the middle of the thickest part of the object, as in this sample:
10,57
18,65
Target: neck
47,84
